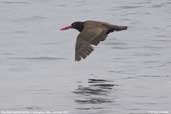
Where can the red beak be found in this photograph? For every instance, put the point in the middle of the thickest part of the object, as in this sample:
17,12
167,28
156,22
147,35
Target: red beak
65,28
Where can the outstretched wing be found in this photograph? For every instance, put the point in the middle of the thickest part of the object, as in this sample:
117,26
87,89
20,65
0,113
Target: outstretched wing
82,49
88,37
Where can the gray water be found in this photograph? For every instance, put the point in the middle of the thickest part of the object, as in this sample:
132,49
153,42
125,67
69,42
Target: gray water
130,72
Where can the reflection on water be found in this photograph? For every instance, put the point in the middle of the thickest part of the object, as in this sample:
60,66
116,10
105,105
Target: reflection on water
97,92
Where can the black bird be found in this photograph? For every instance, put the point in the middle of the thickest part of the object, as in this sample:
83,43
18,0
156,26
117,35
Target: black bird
91,33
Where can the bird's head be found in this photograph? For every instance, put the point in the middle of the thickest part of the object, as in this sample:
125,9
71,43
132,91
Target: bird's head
75,25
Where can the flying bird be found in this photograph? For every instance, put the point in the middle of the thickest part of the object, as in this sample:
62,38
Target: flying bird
91,33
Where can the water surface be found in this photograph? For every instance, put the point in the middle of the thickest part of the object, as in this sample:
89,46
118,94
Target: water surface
127,73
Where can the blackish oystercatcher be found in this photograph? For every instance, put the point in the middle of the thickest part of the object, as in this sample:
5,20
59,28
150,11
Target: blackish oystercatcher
91,33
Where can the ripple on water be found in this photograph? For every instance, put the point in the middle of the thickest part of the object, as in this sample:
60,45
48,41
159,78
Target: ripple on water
20,32
115,43
138,54
15,2
32,108
38,91
130,7
40,58
93,101
92,108
97,81
155,76
90,91
97,92
158,5
30,19
25,108
105,86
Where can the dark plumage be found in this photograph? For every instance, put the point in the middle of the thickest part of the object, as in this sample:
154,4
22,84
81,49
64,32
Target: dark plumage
91,33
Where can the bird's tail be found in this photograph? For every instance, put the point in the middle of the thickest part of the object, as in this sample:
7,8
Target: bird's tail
119,28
